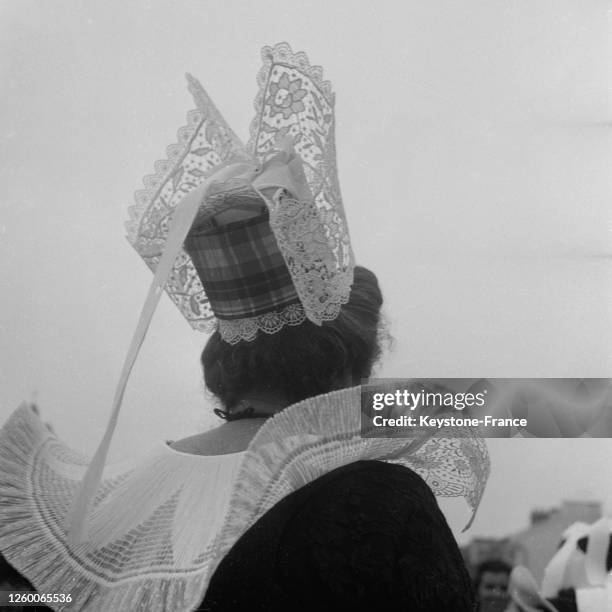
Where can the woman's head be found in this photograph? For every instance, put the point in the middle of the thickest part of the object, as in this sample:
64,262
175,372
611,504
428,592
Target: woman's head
302,361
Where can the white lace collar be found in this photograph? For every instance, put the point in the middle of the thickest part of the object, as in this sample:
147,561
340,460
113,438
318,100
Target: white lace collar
159,528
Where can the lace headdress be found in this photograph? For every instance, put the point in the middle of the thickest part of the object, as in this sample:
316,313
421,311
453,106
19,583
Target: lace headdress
247,238
270,244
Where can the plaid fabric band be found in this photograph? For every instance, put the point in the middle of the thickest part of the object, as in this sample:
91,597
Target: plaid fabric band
241,268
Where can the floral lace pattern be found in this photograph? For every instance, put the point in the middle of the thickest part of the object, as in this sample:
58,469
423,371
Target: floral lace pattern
285,97
310,257
453,466
293,101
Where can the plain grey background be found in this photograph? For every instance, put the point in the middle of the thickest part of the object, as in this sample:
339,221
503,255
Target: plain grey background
474,150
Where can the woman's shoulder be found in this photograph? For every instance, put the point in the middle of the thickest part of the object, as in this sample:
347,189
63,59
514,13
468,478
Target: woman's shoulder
372,498
368,533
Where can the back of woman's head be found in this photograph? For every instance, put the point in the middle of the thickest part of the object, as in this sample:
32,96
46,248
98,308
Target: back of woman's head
304,360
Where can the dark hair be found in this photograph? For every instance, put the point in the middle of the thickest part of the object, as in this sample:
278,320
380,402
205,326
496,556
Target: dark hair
302,361
494,566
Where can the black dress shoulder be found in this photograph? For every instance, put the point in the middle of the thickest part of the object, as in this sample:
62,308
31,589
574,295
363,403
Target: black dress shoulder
368,535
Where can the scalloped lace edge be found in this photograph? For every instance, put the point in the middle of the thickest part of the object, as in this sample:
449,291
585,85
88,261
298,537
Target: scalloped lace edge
151,182
234,331
164,166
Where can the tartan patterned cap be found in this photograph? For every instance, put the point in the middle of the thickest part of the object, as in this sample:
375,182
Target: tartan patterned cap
240,264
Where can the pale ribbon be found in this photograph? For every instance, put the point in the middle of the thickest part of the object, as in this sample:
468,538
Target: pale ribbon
282,171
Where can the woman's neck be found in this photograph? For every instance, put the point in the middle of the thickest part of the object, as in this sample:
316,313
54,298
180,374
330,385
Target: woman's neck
255,405
242,423
227,438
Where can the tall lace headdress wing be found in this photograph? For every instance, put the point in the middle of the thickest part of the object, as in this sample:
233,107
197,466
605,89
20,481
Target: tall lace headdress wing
295,102
204,144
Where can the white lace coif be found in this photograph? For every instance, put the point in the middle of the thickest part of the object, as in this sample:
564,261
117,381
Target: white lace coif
294,104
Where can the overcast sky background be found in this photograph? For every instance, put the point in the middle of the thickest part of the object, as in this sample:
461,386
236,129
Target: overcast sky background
475,157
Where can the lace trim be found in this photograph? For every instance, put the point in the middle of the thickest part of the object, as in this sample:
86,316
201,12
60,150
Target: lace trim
312,249
269,323
227,147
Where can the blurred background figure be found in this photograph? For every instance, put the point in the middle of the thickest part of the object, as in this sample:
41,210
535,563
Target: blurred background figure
491,585
578,578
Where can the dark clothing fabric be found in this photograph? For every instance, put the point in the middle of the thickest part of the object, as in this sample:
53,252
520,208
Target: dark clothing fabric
565,601
242,268
368,535
12,580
